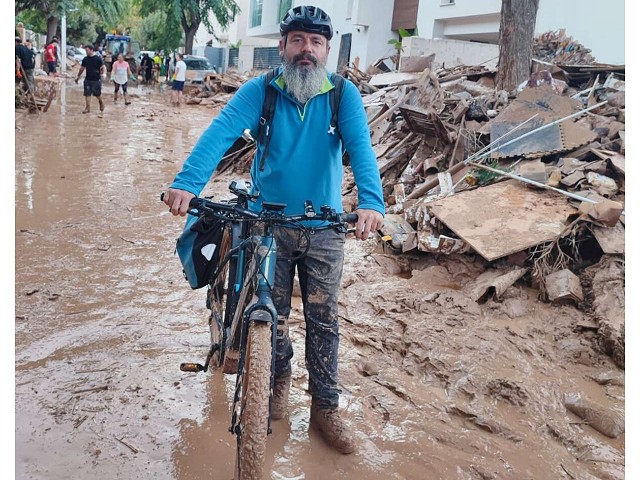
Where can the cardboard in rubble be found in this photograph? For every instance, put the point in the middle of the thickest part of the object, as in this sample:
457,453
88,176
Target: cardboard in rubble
503,218
610,239
494,283
563,286
547,106
606,212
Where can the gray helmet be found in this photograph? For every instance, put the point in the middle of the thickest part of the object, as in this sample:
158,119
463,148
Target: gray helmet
307,19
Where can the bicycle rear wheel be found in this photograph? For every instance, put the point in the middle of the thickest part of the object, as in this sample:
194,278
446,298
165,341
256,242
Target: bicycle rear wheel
254,414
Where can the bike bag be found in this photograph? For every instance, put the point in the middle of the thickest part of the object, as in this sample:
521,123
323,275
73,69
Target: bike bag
199,249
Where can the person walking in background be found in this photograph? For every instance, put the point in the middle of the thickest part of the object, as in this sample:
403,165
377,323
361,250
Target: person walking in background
157,64
120,73
146,64
179,78
95,68
167,61
51,56
25,59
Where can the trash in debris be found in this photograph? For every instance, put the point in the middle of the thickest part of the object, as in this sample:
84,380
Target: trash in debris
494,283
397,233
604,185
606,212
610,239
562,286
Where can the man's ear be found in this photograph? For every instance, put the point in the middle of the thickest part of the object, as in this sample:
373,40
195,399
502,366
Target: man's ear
281,44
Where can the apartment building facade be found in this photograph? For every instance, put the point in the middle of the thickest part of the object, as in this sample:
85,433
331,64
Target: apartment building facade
363,28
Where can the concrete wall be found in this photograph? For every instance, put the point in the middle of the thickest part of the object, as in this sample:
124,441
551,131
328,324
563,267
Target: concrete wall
596,24
450,53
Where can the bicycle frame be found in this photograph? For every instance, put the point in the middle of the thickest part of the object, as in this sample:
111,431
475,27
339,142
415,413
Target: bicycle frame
261,309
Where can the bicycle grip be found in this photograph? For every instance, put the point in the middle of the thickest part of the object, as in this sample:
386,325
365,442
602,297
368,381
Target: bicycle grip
349,217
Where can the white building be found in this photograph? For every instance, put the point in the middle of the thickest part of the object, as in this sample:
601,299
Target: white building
595,24
363,28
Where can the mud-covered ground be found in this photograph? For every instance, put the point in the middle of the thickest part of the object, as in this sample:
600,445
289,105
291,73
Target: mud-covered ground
436,385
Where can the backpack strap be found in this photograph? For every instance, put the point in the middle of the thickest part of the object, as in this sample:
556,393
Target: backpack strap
266,118
335,95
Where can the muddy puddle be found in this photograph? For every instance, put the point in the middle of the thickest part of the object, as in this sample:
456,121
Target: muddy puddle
436,385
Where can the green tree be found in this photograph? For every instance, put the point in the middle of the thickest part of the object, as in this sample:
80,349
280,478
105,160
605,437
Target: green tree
110,11
156,32
189,14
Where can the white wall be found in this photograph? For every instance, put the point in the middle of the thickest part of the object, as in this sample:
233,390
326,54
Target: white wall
368,42
596,24
450,53
237,30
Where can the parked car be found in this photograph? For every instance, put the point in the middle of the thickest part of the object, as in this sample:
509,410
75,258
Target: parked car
76,53
197,68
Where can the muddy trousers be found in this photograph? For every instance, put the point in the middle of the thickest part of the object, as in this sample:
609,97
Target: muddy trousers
319,273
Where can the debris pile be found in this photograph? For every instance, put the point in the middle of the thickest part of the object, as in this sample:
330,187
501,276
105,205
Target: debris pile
559,48
39,99
535,185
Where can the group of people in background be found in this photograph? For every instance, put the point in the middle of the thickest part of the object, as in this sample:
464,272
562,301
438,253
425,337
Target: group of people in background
93,64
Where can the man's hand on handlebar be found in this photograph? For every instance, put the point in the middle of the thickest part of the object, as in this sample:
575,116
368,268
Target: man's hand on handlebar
177,201
368,221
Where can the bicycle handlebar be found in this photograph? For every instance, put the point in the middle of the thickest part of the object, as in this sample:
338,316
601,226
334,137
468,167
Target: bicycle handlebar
231,211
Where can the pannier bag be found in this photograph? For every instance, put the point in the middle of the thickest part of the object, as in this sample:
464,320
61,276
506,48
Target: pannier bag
199,249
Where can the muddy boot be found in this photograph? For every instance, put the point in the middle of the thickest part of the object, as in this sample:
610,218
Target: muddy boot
115,97
87,104
334,430
280,399
126,100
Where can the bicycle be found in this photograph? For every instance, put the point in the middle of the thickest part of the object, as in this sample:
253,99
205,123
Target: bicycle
243,321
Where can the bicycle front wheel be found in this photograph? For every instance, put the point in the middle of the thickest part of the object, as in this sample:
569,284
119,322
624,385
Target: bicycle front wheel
254,416
217,297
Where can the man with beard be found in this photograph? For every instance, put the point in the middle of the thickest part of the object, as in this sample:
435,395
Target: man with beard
304,163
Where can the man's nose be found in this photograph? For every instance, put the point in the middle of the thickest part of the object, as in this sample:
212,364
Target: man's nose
306,46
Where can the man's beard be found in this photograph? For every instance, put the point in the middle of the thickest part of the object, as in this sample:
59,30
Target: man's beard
303,81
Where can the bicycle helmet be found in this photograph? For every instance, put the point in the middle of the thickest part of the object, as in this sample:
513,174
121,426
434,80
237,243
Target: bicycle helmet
307,19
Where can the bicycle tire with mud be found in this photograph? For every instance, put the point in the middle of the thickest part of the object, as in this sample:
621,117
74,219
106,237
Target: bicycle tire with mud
254,419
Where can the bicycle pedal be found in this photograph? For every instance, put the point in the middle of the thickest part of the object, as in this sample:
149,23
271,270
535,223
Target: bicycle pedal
191,367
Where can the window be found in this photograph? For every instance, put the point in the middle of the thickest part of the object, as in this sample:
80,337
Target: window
285,6
256,13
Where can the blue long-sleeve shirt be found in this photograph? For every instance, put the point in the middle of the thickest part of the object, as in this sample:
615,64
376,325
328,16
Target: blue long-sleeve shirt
304,161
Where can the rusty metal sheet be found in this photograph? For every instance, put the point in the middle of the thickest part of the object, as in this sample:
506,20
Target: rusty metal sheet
503,218
544,102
